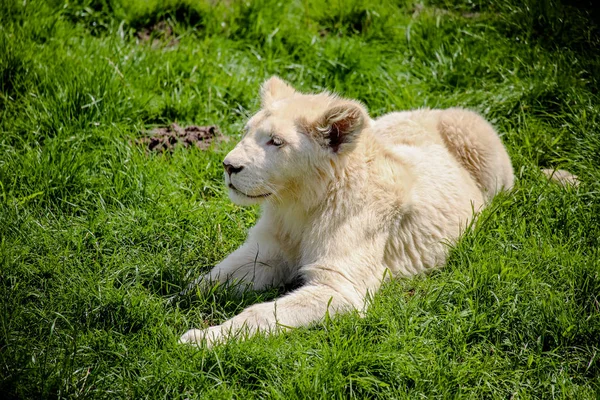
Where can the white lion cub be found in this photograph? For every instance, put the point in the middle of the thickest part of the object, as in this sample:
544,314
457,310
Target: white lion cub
348,200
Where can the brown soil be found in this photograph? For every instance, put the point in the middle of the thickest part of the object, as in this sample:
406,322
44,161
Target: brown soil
166,138
159,34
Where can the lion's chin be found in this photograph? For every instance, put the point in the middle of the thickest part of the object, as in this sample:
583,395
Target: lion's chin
242,199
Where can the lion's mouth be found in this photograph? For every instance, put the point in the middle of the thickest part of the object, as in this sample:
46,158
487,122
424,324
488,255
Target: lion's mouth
247,195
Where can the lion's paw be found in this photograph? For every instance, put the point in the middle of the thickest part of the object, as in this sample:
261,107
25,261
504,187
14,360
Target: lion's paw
203,337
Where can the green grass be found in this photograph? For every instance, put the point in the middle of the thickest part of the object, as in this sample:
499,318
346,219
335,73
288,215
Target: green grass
96,234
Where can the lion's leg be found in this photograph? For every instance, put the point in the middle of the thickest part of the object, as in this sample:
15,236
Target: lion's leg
258,264
308,304
338,282
329,290
477,146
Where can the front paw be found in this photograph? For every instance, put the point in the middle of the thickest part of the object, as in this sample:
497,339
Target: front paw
203,337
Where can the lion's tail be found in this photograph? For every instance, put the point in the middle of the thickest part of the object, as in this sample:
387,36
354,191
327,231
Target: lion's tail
560,176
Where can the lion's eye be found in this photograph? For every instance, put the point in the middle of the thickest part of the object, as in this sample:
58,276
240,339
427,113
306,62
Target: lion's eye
275,141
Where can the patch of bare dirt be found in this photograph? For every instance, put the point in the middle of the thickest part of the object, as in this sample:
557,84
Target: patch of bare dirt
159,34
167,138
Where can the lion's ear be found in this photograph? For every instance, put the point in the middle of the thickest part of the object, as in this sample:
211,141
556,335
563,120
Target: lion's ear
341,124
275,89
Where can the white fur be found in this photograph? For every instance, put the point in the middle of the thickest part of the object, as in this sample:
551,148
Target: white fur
345,214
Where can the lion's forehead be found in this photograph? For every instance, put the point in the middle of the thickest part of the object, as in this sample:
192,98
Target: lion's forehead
308,107
276,126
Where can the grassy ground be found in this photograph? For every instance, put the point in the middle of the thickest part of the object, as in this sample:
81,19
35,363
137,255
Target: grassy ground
96,234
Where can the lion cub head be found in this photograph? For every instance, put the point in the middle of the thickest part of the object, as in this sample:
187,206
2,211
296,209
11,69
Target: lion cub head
292,144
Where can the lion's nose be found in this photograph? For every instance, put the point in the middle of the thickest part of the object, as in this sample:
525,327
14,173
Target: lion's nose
231,169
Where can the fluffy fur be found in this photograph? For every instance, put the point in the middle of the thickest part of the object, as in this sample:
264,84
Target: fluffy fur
348,201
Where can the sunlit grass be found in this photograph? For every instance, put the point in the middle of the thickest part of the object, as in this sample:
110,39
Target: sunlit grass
96,234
